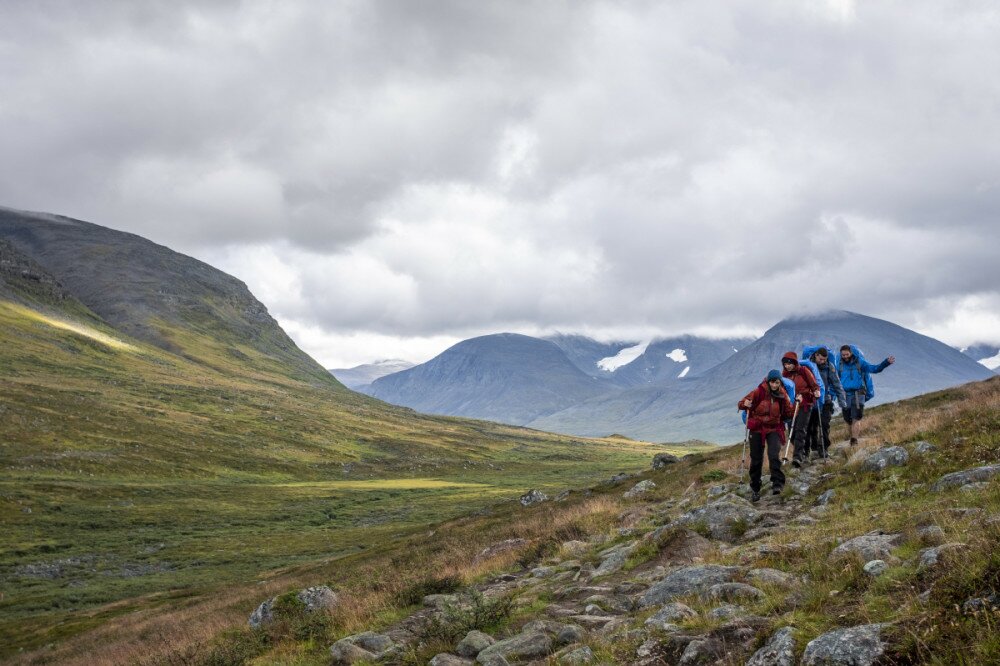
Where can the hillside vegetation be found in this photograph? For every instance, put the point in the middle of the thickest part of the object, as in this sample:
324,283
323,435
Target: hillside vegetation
589,572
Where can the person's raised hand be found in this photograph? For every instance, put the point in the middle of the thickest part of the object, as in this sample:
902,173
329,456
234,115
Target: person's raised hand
891,359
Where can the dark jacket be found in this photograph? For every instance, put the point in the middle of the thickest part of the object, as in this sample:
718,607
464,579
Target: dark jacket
828,375
805,383
767,412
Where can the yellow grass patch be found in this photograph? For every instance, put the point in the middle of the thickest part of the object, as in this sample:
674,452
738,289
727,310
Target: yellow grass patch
73,327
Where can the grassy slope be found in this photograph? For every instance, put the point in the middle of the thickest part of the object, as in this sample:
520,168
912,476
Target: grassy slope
963,422
128,471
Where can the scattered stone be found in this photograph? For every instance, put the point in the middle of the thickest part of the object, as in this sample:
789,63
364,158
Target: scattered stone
855,646
581,655
474,643
875,568
868,547
492,660
346,652
531,645
892,456
778,651
982,604
966,476
923,447
929,557
440,601
613,560
823,500
974,487
563,496
533,497
661,460
718,491
498,548
618,478
931,534
669,614
570,634
313,599
698,651
543,572
723,520
727,612
592,622
687,580
640,488
445,659
733,592
773,577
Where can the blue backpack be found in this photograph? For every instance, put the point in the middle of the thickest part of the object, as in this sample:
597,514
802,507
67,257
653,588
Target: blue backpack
789,389
854,376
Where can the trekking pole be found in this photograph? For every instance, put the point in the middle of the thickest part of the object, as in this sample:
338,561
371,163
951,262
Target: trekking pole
743,456
792,430
823,431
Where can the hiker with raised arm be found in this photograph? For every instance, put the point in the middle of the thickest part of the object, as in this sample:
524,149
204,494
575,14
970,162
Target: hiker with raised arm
856,377
819,419
767,407
807,391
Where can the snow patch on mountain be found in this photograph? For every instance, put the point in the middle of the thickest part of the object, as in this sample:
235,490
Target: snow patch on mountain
624,357
678,356
993,362
684,372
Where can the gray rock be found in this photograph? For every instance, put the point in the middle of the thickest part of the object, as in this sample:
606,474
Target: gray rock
474,643
724,520
346,652
698,651
923,447
855,646
778,651
931,534
929,557
613,561
618,478
773,577
639,489
445,659
533,497
575,548
369,640
670,614
569,634
492,660
263,614
733,592
593,622
868,547
965,476
875,567
661,460
319,598
974,487
581,655
719,491
892,456
982,604
727,612
825,499
531,645
686,580
543,572
440,600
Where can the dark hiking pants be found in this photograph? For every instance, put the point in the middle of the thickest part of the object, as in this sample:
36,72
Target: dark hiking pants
773,460
818,430
799,433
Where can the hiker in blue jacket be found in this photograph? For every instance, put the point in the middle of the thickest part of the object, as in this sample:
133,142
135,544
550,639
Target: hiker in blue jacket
856,378
818,432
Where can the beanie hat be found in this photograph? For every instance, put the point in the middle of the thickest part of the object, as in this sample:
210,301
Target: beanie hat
774,374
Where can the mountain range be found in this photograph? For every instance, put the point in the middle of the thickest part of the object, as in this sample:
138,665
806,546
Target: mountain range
672,389
362,375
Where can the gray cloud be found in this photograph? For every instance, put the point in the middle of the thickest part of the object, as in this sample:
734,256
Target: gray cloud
434,168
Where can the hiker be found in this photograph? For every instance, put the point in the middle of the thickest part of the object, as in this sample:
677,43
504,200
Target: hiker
819,417
856,377
806,393
767,407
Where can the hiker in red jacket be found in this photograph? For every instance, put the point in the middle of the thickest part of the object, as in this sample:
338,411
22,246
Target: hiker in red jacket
767,408
806,393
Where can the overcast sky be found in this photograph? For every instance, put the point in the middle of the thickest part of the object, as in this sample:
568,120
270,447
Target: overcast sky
391,177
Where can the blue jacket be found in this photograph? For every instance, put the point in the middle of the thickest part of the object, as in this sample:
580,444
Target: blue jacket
827,375
858,373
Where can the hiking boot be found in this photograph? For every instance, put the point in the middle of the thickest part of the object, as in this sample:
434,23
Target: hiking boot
797,463
854,441
777,491
755,496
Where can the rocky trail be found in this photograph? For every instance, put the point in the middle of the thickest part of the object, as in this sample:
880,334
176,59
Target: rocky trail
701,578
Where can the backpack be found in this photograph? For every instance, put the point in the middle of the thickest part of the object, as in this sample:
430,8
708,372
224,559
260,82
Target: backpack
860,366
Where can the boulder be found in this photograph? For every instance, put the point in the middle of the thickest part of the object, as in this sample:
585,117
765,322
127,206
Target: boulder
974,487
931,535
670,614
640,488
474,643
687,580
854,646
613,560
868,547
778,651
661,460
929,557
923,447
312,598
956,479
875,568
569,634
346,652
891,456
445,659
724,520
727,612
440,601
581,655
533,497
733,592
981,604
825,499
524,646
773,577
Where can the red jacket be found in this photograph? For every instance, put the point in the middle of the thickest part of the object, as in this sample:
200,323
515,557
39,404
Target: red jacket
767,413
805,383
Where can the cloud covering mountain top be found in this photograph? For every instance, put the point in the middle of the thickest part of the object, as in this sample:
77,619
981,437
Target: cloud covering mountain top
391,177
